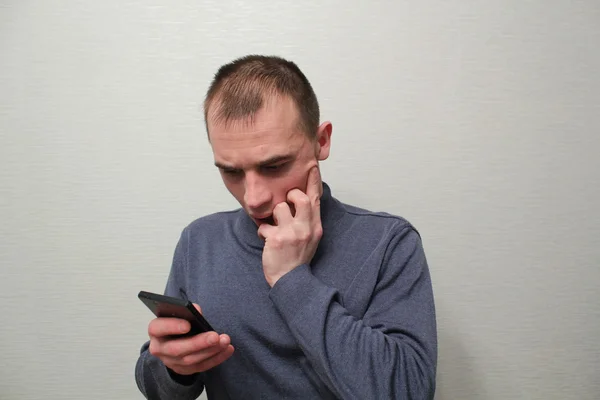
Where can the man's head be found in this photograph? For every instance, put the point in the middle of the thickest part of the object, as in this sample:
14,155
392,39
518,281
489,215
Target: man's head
262,119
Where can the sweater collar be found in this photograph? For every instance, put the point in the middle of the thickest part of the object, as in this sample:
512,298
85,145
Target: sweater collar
247,231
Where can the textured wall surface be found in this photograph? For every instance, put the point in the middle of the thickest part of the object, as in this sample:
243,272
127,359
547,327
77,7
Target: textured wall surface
477,121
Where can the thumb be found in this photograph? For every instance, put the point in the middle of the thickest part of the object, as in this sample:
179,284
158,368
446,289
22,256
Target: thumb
198,308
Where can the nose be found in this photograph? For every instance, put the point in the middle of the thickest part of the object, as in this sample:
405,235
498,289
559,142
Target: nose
257,195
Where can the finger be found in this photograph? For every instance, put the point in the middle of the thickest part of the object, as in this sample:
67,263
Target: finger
217,359
161,327
301,203
193,358
182,347
265,231
205,364
224,340
176,358
314,185
198,308
282,214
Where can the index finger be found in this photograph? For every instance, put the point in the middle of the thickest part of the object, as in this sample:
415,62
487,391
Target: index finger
200,343
314,185
160,327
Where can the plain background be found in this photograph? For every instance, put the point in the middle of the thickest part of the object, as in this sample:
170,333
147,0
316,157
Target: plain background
477,121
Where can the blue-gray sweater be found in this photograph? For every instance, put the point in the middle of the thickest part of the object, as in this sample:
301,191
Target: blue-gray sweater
357,323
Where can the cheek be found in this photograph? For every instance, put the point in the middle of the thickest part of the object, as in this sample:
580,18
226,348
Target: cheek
296,179
236,188
279,189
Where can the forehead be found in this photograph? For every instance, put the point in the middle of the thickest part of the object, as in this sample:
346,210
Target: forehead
272,131
276,112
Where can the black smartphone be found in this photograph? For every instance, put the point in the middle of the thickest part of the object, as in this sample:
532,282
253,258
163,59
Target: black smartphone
173,307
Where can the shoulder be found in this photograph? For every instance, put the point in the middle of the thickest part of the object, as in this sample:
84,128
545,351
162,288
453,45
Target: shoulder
389,240
393,237
211,224
383,222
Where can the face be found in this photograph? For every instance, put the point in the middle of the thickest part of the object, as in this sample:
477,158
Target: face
262,160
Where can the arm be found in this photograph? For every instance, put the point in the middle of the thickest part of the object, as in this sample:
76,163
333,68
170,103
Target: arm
392,351
153,378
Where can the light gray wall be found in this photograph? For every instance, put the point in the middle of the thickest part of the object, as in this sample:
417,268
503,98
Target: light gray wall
477,121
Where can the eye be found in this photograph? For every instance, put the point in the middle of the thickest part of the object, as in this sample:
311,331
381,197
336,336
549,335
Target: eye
273,168
231,172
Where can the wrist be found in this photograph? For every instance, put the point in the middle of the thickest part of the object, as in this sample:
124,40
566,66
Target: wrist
186,380
272,279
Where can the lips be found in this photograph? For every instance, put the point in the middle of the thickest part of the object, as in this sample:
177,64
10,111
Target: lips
266,220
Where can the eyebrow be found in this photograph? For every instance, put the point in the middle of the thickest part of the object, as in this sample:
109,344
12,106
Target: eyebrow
264,163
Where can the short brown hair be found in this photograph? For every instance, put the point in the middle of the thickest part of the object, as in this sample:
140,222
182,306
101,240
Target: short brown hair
242,86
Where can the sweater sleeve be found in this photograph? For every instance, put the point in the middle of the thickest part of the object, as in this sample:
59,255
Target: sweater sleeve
391,352
153,378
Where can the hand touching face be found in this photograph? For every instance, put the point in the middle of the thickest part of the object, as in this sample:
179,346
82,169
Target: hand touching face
294,238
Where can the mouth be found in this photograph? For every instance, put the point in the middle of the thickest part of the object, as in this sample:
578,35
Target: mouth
267,220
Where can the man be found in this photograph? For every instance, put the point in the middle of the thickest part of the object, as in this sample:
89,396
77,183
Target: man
311,298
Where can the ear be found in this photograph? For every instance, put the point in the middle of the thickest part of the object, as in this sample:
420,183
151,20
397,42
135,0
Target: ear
323,142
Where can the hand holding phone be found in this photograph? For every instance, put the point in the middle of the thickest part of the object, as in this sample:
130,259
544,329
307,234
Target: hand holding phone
181,338
172,307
